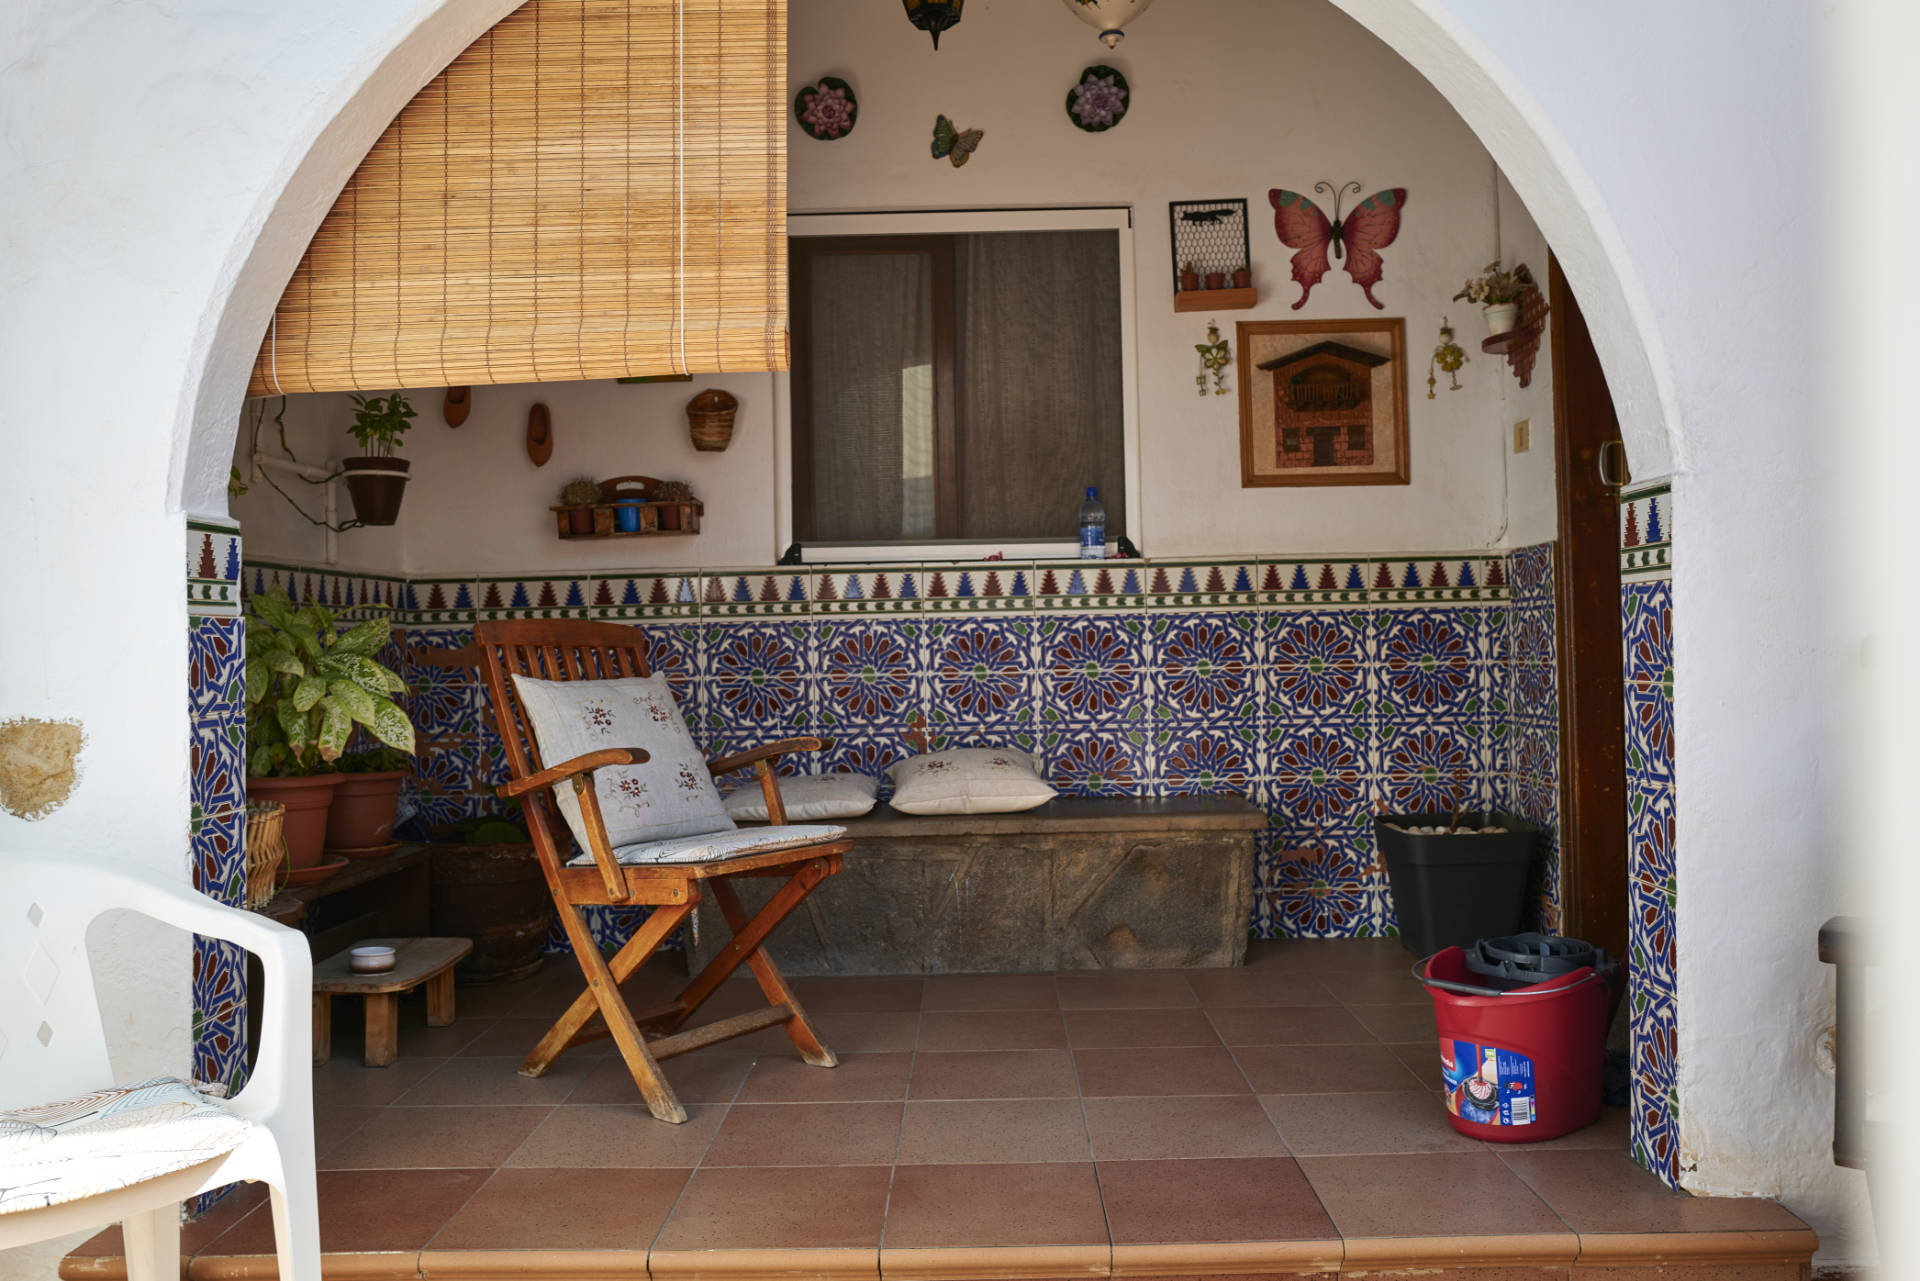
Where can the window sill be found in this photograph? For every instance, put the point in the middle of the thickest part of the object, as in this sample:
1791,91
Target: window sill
931,553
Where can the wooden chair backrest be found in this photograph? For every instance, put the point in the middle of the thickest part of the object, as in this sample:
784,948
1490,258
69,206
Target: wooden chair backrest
551,650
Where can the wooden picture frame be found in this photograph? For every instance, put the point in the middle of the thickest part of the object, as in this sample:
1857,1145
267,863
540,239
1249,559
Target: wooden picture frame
1322,402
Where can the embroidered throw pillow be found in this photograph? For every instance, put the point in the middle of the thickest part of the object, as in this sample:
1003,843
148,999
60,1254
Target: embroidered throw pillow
671,795
968,780
808,798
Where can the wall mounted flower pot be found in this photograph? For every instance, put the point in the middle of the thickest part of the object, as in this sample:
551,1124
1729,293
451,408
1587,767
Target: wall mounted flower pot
307,800
1216,280
376,486
363,809
1243,279
626,516
1501,317
579,520
710,420
1189,281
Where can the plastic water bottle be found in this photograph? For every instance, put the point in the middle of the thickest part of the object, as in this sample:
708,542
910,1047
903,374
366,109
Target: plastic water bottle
1093,526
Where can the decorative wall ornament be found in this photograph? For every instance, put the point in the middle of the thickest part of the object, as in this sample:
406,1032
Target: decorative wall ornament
539,435
1359,236
934,16
1327,404
1214,359
826,109
954,144
1107,16
458,404
1521,344
1209,240
1448,356
1099,101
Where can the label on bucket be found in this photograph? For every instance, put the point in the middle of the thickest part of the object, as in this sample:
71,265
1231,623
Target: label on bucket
1487,1085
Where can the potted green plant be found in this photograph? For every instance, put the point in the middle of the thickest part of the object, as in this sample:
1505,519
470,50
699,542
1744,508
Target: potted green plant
578,497
376,480
1498,292
1242,277
1189,278
485,884
308,684
360,821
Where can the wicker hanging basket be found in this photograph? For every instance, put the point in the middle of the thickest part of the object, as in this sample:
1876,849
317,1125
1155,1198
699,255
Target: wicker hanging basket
710,419
266,846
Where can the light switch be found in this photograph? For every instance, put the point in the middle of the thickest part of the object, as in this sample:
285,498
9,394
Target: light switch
1523,436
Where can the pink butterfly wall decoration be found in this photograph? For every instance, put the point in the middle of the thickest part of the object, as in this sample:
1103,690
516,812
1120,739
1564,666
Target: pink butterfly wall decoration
1359,236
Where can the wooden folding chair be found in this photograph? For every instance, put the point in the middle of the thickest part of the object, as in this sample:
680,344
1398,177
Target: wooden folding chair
572,650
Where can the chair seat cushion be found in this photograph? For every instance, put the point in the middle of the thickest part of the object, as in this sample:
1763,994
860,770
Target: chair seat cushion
110,1139
720,845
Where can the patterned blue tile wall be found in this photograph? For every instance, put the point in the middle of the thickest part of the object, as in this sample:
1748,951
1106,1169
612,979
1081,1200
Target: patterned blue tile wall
1531,771
1323,688
1646,625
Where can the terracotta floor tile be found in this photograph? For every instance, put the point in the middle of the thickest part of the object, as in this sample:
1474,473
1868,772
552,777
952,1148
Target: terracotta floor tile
436,1139
1249,1199
1359,1124
860,1078
346,1082
993,1030
992,1131
994,1074
1374,987
695,1078
417,1040
1220,1125
333,1125
991,992
194,1236
550,1209
823,995
1319,955
1257,987
609,1136
844,1031
1138,1029
1608,1134
1422,1059
835,1207
989,1205
367,1211
518,1036
1599,1192
494,1081
1427,1194
1194,1070
1300,1025
1323,1069
1124,990
806,1134
1409,1021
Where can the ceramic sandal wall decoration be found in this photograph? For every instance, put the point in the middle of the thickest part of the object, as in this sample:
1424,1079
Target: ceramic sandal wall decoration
952,144
1099,101
1214,359
827,109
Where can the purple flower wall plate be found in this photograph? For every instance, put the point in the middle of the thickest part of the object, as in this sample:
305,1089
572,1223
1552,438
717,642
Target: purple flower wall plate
826,109
1099,101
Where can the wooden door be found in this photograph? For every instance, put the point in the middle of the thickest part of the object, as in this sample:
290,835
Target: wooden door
1593,788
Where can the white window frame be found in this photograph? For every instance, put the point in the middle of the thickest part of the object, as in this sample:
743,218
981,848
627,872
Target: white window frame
1115,218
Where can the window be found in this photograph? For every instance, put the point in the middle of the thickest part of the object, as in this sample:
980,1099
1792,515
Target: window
957,387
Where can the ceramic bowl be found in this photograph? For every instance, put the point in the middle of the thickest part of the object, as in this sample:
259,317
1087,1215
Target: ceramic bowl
368,959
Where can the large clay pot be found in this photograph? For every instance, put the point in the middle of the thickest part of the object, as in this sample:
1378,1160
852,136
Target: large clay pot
307,801
363,806
376,486
497,896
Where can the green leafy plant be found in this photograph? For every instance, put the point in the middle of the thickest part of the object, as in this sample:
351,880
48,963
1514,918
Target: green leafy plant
1494,286
309,684
501,828
374,760
379,423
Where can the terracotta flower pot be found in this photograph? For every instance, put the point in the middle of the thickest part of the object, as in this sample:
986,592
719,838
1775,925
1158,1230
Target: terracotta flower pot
363,806
580,520
307,801
1216,280
376,494
1243,279
1189,281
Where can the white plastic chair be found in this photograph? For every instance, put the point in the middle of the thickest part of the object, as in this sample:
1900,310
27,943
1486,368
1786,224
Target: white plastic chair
52,1047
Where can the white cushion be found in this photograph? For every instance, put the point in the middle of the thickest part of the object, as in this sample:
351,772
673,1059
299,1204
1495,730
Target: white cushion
807,797
109,1139
672,794
718,845
968,780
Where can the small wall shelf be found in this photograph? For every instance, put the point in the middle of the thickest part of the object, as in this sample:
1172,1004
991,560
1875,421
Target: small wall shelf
658,518
1522,343
1215,299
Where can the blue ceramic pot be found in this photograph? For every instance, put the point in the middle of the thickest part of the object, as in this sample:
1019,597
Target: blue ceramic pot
626,516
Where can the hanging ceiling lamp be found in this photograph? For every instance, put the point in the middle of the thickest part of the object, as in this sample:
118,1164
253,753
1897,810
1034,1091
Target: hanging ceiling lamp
934,16
1107,16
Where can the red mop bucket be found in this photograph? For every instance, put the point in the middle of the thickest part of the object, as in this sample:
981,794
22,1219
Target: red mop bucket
1521,1065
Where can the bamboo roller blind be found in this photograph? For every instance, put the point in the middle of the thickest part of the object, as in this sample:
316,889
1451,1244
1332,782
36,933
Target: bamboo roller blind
594,189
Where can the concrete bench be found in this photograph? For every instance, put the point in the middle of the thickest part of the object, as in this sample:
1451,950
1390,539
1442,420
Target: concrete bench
1077,884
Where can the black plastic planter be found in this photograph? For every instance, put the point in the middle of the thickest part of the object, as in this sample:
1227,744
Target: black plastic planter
376,486
1451,890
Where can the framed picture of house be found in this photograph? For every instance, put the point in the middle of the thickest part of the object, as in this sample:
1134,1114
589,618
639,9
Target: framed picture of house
1322,402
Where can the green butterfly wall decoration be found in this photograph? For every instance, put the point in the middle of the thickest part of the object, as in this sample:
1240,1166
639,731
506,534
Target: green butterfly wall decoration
955,144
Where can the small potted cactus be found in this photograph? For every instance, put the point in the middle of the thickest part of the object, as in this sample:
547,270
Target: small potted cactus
1242,278
674,493
1189,278
578,498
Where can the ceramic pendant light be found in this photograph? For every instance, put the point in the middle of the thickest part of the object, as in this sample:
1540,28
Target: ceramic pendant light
1107,16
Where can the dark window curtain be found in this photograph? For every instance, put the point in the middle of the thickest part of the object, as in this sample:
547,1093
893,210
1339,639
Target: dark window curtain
1039,382
872,396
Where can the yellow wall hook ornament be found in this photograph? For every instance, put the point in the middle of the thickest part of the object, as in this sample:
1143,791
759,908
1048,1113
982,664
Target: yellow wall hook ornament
1448,356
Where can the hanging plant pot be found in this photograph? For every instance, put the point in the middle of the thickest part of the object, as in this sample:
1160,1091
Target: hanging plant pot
1501,318
710,420
376,486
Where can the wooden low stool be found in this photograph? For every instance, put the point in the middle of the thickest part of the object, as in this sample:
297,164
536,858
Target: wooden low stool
415,962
